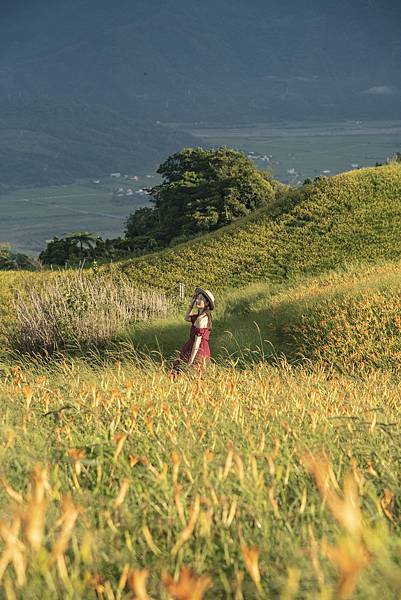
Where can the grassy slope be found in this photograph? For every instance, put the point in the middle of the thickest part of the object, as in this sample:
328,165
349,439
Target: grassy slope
348,318
348,217
338,318
224,454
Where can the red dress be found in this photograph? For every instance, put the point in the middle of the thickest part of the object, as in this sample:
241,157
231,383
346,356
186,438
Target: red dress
203,354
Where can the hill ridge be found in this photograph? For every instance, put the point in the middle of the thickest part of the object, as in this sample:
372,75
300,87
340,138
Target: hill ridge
306,236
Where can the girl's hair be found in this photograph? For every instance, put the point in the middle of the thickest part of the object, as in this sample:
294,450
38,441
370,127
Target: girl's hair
208,312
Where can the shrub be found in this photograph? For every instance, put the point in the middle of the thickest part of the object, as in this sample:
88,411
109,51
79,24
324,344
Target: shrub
79,309
354,331
10,261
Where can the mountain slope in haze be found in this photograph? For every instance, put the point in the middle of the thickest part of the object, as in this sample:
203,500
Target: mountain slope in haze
190,60
48,143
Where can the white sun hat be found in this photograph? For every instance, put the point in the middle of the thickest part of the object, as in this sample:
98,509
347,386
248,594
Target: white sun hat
208,295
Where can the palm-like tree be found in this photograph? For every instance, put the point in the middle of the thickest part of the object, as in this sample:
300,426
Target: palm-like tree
83,238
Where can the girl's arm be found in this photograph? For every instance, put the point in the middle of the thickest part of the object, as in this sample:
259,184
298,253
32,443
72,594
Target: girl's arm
202,322
195,348
188,313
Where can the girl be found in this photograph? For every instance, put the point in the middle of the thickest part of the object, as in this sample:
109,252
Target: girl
196,352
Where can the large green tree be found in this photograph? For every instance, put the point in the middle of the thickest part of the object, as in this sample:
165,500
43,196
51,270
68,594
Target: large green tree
201,191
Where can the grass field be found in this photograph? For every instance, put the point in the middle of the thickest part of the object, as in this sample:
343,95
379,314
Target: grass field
140,478
275,475
31,216
347,318
265,480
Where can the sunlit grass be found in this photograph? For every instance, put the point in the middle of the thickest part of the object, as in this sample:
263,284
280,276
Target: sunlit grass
348,318
275,476
135,477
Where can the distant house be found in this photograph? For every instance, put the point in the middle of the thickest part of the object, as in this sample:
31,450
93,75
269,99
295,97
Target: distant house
116,175
129,192
96,181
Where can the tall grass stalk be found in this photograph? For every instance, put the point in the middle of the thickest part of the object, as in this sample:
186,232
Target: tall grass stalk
80,310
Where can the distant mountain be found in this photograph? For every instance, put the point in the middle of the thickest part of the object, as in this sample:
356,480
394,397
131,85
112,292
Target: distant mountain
48,142
213,60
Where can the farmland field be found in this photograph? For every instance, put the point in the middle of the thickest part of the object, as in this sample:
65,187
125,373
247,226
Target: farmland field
272,477
30,216
306,149
139,478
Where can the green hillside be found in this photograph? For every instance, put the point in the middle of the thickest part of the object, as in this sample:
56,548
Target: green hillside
256,480
268,274
47,142
349,319
354,216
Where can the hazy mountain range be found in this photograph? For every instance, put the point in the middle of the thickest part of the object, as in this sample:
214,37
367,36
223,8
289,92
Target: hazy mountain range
213,60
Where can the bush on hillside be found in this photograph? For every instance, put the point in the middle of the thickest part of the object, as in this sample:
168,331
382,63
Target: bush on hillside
353,332
86,247
11,261
79,309
72,249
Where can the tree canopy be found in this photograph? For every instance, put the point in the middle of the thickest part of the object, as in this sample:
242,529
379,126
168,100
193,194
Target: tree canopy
202,191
